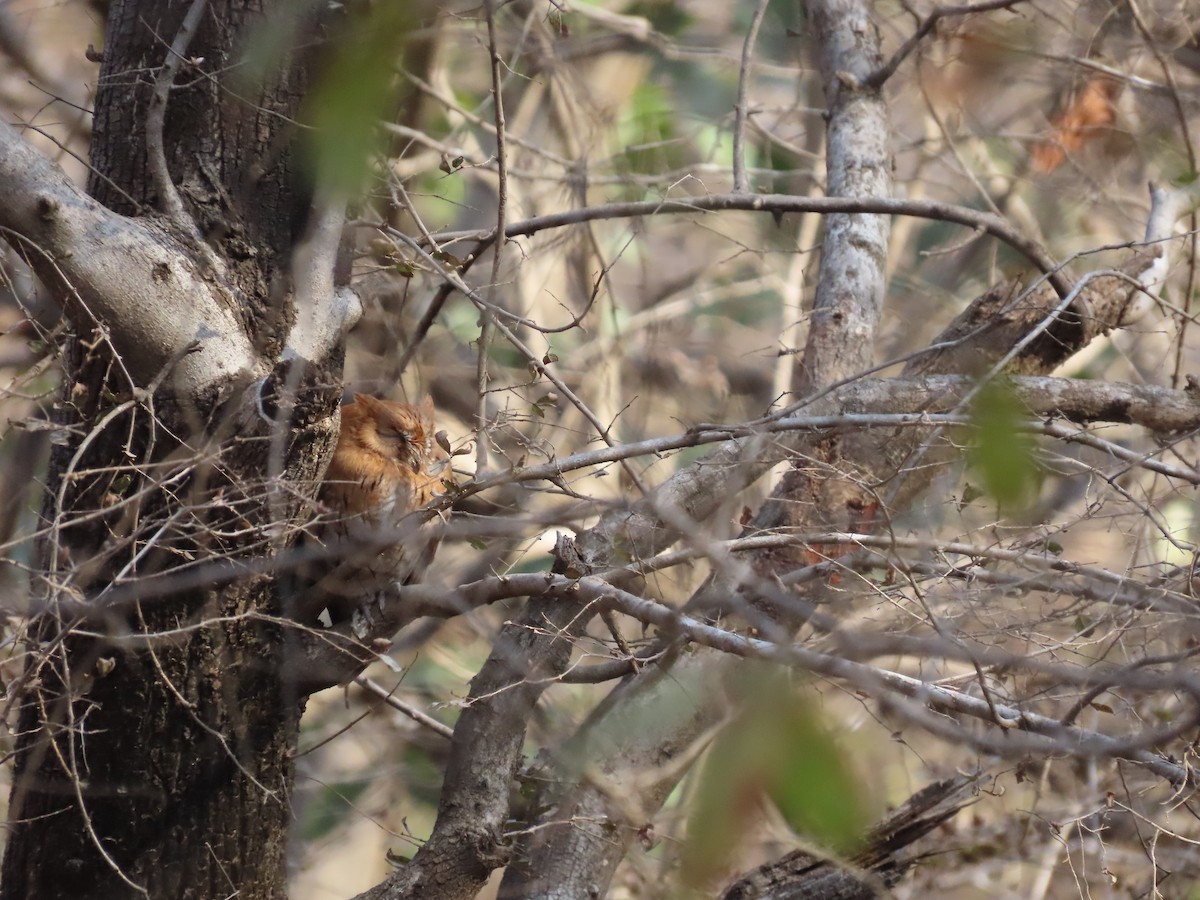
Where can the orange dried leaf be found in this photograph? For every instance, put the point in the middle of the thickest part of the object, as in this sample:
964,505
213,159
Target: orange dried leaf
1088,113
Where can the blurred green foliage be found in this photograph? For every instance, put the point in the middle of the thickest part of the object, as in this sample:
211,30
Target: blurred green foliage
330,806
358,88
777,750
1000,452
648,131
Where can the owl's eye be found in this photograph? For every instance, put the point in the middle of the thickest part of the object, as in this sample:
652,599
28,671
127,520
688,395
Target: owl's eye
394,434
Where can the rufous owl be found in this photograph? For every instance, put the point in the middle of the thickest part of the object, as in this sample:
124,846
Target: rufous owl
387,463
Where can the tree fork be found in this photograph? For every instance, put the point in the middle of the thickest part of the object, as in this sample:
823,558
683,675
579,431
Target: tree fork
154,754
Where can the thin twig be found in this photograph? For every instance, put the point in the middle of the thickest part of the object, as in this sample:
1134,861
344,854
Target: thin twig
435,305
156,156
487,321
739,110
877,78
399,705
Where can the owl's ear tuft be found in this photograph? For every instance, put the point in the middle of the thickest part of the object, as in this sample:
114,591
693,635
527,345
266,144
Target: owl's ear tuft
368,402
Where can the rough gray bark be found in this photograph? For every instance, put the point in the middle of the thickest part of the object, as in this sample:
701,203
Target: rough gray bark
113,270
849,298
154,753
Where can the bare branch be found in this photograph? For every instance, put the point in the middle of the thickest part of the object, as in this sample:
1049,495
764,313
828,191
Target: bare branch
424,719
325,311
120,274
156,156
882,683
487,321
779,204
739,110
880,76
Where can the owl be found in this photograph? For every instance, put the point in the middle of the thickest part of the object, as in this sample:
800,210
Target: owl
387,464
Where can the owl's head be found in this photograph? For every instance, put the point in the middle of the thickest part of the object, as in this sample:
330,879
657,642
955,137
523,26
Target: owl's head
402,433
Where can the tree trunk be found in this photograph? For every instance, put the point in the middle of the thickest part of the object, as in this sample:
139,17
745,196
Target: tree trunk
154,754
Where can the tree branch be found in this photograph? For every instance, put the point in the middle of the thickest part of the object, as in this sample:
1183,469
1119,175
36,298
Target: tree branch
122,275
740,111
880,76
325,311
156,157
853,274
779,204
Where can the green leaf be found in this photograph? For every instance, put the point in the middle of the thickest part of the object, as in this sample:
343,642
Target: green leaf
1000,453
358,88
779,750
